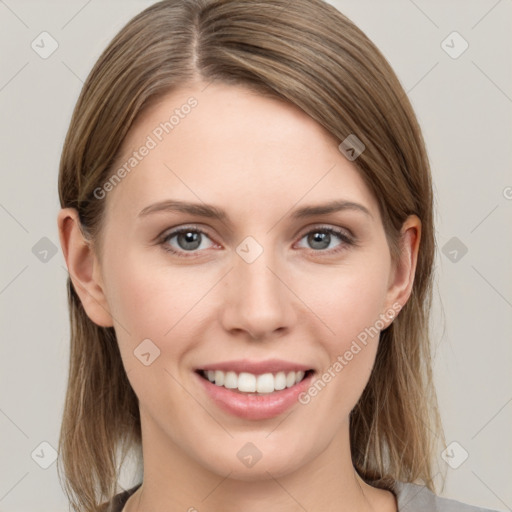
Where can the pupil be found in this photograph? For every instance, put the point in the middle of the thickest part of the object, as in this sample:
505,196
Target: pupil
189,239
320,240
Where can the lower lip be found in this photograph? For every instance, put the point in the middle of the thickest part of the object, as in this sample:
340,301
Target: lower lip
256,407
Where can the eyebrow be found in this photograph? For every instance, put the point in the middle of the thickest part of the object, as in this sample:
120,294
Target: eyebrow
212,212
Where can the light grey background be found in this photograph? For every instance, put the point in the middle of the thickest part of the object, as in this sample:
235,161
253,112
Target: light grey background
464,105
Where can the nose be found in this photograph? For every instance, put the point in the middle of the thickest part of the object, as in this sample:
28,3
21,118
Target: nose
258,300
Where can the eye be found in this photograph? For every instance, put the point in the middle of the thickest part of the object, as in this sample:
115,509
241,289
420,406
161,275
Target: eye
185,239
321,238
191,240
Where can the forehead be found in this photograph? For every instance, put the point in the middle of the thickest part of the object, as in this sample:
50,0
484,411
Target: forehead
231,146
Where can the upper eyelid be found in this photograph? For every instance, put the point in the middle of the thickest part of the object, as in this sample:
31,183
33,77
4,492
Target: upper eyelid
168,233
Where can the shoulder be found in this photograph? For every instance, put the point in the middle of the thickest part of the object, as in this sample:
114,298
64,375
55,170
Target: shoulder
418,498
410,498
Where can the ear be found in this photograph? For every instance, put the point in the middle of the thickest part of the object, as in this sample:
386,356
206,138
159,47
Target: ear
402,275
83,267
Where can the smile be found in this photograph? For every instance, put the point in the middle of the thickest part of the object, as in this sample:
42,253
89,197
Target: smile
254,390
245,382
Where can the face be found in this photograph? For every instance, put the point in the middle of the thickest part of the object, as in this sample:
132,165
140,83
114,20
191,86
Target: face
244,312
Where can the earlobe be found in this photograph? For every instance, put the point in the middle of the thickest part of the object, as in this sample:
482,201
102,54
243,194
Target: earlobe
83,267
402,277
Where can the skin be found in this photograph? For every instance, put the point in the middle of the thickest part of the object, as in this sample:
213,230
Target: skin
259,159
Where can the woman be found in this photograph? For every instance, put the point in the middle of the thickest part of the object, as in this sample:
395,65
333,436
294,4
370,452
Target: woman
247,224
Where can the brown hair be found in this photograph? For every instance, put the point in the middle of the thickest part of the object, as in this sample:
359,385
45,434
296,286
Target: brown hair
307,53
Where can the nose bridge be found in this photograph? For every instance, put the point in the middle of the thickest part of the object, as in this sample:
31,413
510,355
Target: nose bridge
259,302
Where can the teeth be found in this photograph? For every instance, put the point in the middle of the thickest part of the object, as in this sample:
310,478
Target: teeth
249,383
280,381
218,378
230,380
299,376
265,383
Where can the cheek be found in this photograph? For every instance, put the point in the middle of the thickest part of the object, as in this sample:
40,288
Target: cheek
349,299
145,287
151,301
154,303
349,302
356,307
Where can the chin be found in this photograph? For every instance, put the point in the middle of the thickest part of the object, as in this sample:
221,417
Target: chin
256,461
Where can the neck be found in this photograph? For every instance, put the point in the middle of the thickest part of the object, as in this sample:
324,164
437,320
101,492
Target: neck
173,480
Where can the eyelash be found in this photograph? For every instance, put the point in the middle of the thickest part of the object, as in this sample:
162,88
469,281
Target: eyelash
345,239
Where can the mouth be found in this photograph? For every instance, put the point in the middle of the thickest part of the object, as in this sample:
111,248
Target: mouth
254,389
252,384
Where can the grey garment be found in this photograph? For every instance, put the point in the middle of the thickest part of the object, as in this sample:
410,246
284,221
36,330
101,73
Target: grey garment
410,498
418,498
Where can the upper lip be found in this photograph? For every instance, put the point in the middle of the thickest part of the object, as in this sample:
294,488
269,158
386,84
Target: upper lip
256,367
